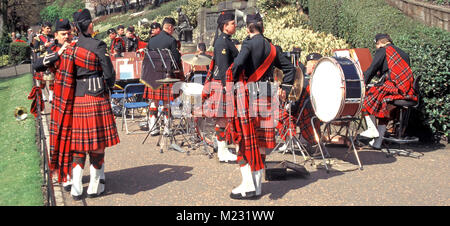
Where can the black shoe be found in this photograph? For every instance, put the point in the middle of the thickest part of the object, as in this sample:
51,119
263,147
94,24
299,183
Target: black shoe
95,195
364,138
375,148
102,181
68,188
248,195
229,162
77,197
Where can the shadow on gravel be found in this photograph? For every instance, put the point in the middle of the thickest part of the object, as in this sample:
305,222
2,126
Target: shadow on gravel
366,156
277,189
134,180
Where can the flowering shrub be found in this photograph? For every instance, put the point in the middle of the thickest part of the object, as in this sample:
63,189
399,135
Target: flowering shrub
288,29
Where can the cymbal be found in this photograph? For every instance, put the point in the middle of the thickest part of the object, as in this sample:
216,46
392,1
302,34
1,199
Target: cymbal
194,59
297,88
168,80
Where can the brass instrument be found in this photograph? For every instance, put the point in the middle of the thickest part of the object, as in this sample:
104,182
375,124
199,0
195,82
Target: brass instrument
20,113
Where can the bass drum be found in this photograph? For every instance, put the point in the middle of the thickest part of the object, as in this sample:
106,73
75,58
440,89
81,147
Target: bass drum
337,88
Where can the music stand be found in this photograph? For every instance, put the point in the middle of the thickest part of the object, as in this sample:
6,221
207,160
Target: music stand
168,70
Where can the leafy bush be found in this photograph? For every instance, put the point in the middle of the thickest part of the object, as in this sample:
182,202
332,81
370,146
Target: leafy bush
18,52
288,29
323,15
429,48
61,9
4,60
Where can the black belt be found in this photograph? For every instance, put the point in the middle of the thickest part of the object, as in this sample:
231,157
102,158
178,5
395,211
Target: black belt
93,85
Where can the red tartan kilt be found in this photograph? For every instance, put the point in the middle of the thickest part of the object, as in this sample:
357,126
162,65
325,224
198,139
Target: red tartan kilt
376,101
265,122
163,93
93,125
306,128
214,104
38,75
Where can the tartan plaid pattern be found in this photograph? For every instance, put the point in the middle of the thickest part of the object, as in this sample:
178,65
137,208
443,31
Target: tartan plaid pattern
96,159
114,43
249,130
397,86
36,95
38,75
61,115
215,103
63,118
220,133
243,128
87,59
163,93
93,124
306,128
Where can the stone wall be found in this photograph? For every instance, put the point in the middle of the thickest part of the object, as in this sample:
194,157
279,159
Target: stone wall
429,14
207,18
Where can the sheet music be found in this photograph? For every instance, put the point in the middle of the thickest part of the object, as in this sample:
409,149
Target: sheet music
342,53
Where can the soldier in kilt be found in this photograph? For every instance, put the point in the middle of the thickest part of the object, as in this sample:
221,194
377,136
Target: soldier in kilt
255,104
40,44
82,120
164,40
49,61
396,83
214,105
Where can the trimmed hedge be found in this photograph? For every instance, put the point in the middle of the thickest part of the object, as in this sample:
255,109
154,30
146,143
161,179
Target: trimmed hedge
19,51
428,47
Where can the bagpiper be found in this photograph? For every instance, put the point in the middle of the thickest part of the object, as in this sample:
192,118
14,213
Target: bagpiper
83,123
40,44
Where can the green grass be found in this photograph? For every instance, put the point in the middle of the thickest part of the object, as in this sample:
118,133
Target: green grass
20,177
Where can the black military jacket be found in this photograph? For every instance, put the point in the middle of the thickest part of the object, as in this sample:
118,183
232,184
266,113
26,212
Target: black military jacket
42,63
165,41
131,44
116,44
224,53
39,45
253,52
379,64
99,48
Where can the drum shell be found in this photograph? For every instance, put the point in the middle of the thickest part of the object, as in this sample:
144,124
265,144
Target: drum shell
351,84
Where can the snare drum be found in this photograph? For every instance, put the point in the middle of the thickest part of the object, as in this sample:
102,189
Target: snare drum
337,88
199,78
191,97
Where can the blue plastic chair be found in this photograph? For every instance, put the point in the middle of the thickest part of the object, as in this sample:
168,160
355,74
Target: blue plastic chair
130,97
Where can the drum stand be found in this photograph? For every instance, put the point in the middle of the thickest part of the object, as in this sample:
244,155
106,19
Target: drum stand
351,136
169,135
193,140
291,140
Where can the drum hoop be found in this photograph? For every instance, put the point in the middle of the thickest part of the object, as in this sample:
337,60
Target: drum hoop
341,107
361,82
